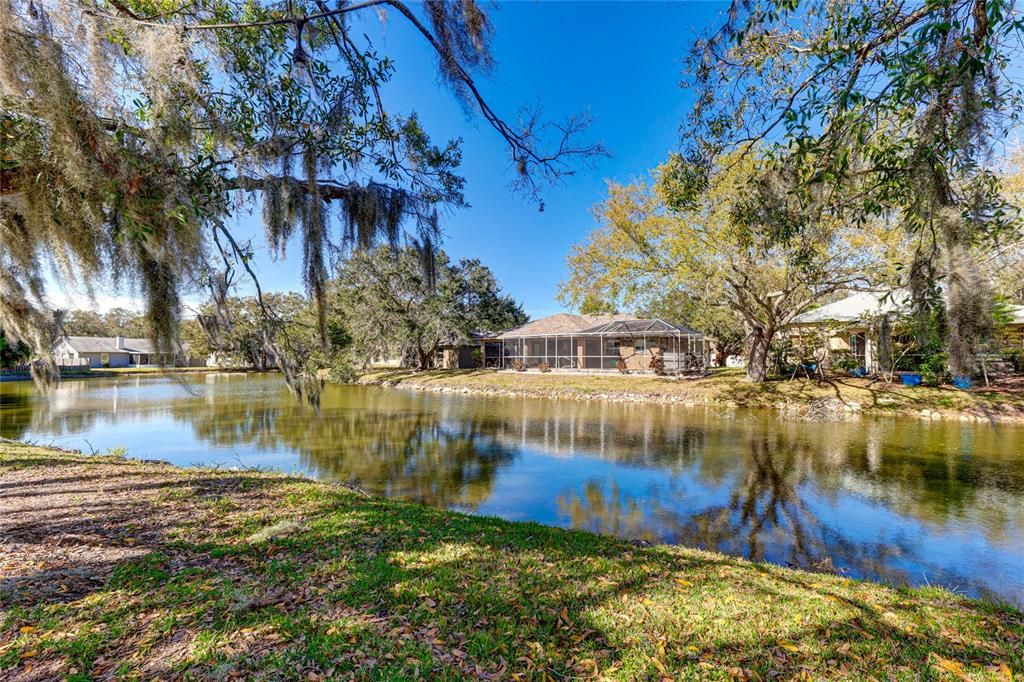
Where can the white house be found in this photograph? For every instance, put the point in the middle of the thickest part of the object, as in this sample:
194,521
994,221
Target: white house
116,351
847,322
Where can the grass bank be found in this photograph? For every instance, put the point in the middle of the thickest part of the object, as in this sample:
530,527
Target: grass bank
1004,401
118,568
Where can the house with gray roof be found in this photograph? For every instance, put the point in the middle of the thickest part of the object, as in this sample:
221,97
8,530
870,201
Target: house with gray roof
117,351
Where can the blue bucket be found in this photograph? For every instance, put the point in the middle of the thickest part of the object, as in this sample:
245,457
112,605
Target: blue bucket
963,383
911,379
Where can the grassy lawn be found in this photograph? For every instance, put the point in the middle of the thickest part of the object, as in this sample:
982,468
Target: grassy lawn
1004,401
116,568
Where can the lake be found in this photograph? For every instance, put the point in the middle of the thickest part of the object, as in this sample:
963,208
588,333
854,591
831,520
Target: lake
903,500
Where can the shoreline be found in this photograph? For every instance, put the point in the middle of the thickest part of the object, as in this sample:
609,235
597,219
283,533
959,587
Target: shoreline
114,372
802,399
123,567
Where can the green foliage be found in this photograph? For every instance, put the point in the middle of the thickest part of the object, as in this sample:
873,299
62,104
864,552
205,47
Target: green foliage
241,336
845,360
933,367
725,264
391,307
12,352
875,110
131,132
591,304
115,322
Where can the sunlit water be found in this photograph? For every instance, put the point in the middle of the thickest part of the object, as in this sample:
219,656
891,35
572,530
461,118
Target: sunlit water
906,501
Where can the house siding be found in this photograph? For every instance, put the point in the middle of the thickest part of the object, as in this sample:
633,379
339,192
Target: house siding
115,359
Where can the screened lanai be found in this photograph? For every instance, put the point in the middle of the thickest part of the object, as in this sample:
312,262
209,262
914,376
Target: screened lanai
635,344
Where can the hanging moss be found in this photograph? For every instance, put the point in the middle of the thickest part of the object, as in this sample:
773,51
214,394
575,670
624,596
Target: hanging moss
94,197
314,238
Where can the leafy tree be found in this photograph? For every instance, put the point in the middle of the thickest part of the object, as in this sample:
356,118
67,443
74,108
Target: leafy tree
123,322
242,340
85,323
594,305
12,352
480,299
194,339
115,322
131,129
392,308
649,242
1004,260
876,108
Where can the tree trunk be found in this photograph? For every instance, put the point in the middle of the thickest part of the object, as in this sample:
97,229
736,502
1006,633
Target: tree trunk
884,346
758,341
424,357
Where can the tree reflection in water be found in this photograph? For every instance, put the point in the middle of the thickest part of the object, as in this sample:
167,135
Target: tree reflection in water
401,448
738,481
766,515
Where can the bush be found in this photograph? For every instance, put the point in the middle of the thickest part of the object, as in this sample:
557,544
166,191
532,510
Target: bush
544,367
933,369
519,366
620,365
845,360
342,372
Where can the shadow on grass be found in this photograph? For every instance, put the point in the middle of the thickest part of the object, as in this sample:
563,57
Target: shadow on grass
373,588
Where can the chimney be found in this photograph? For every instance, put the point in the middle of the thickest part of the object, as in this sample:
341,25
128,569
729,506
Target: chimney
120,342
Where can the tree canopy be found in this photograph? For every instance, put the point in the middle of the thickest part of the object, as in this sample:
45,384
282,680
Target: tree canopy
392,310
114,322
712,250
876,108
132,129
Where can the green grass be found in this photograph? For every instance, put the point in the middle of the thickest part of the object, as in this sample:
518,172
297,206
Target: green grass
726,386
258,575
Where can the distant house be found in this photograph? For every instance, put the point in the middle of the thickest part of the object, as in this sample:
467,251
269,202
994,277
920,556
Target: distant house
850,324
847,323
599,342
119,351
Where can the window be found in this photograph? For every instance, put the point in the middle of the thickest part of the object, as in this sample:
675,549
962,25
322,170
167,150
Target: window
640,345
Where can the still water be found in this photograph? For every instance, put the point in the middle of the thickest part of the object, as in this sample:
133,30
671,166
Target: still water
906,501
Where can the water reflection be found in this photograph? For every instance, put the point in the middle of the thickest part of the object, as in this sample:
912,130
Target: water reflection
906,501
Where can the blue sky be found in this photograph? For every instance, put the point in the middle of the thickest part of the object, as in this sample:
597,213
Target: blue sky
619,61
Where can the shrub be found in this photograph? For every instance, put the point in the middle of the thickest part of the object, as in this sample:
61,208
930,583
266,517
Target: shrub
519,366
342,372
845,360
620,365
933,369
544,367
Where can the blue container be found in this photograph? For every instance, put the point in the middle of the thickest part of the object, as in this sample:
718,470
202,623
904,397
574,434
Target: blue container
858,372
911,379
963,383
